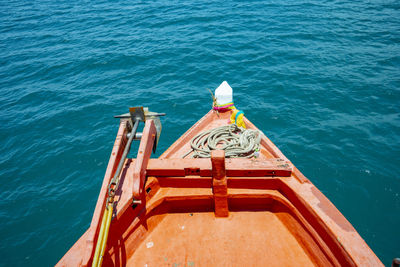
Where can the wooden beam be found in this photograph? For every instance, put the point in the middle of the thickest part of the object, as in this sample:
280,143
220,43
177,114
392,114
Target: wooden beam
235,167
220,188
142,158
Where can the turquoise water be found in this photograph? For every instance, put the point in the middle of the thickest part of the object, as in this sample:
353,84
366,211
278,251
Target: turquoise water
320,78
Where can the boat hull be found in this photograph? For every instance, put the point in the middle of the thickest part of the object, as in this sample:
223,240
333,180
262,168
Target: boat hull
271,219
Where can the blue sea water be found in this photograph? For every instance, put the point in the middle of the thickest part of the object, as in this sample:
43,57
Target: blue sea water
320,78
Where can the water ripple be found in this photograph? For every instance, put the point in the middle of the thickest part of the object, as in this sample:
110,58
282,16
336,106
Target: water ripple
320,78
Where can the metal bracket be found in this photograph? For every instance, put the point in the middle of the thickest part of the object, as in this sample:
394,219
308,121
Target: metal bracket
137,114
143,114
146,111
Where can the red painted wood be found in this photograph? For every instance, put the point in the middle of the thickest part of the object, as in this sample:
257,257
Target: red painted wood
142,159
234,167
273,220
220,188
92,233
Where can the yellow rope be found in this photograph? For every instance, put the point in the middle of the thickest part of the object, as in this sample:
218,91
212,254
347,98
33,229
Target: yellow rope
103,235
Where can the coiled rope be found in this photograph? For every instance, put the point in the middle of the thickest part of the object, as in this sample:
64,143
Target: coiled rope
236,141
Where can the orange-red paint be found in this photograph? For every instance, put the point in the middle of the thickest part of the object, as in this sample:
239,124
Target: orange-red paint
143,156
270,214
220,187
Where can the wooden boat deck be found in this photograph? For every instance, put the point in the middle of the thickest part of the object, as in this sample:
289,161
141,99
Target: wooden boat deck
200,239
273,220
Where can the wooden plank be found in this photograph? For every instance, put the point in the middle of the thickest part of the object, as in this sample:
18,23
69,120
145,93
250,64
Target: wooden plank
143,157
235,167
220,188
92,233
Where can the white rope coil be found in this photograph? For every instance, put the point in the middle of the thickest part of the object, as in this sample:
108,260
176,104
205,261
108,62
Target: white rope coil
236,141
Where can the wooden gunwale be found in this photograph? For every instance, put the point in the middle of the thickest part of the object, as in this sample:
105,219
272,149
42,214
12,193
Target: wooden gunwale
322,232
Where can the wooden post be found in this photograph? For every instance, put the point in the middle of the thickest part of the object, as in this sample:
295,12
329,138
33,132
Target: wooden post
220,188
142,159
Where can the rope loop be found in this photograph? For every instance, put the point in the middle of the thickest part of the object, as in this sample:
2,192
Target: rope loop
236,141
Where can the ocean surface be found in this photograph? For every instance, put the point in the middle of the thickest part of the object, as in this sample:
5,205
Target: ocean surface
320,78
